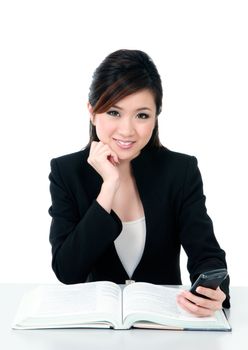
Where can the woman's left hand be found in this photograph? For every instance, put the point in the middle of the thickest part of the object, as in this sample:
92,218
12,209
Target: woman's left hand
200,306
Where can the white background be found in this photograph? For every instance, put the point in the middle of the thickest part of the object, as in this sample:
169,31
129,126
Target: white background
49,50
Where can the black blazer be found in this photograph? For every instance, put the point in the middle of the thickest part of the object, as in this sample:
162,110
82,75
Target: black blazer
82,233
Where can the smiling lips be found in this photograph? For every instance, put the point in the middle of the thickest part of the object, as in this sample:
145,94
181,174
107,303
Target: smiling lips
124,144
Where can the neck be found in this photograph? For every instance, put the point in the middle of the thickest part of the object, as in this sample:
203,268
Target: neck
125,170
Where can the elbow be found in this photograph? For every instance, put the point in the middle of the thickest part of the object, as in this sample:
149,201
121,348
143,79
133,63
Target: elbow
68,275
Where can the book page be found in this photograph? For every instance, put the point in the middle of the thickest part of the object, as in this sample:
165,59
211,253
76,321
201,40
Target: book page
153,299
150,298
71,304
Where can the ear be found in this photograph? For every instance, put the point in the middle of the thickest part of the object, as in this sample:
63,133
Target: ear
92,116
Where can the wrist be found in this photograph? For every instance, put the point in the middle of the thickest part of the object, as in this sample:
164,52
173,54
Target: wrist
111,184
107,194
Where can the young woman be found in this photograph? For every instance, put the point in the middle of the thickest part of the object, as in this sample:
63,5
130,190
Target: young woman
123,207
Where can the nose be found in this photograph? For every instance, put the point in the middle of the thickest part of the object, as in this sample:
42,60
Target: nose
126,127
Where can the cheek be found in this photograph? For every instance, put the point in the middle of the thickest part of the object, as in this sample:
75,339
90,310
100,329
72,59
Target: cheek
146,130
104,129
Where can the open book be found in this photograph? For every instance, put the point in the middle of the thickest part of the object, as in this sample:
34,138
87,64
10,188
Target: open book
108,305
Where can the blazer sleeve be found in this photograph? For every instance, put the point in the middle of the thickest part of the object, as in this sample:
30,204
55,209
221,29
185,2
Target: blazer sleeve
196,230
77,242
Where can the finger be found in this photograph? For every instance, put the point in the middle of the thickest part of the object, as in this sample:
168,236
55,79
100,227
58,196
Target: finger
103,150
193,308
107,150
96,149
111,159
114,158
222,295
102,156
98,145
207,292
93,147
202,302
217,295
196,299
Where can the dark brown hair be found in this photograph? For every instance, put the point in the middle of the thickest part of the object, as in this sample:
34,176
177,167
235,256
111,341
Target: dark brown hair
122,73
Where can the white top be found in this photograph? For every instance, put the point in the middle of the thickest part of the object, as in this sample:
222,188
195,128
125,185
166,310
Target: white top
130,244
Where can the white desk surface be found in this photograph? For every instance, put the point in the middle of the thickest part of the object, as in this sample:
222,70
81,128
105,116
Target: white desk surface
72,339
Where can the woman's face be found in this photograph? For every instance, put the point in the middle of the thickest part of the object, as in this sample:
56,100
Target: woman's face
128,125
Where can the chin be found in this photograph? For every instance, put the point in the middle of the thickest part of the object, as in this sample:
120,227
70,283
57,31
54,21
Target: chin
126,154
129,156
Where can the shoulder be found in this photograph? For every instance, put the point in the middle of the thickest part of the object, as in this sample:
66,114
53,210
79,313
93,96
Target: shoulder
163,157
71,164
173,156
176,165
165,165
72,159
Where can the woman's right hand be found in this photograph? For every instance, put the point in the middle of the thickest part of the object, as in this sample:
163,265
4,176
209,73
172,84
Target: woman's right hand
104,160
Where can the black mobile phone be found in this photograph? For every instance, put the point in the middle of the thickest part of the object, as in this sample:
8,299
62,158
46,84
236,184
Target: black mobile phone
210,279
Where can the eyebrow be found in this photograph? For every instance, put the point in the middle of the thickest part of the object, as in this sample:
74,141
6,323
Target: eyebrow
138,109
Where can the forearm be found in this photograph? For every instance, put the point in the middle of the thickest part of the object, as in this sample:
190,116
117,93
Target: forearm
78,250
196,230
107,194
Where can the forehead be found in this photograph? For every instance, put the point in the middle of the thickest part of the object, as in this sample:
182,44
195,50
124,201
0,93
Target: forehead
139,99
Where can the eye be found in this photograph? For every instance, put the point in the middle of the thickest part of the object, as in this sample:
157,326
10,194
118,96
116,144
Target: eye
113,113
142,116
